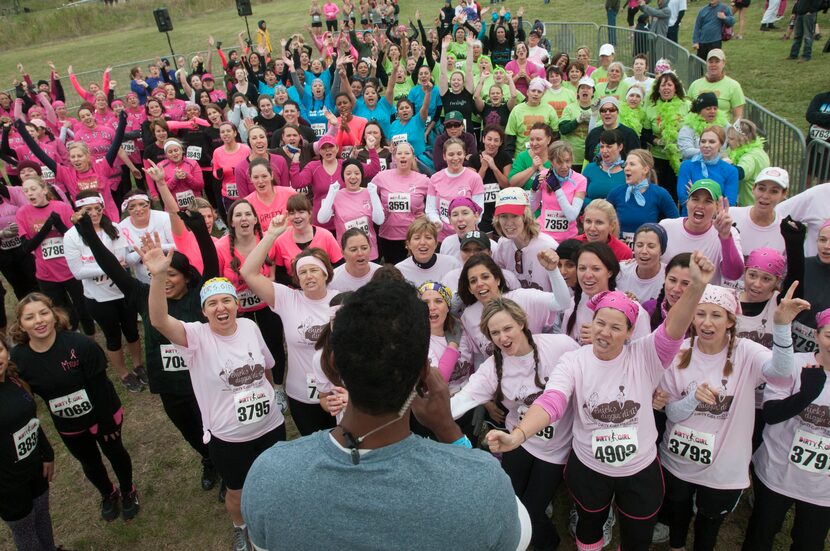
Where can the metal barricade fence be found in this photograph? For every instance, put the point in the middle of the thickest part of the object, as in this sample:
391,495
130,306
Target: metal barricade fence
785,143
567,37
817,163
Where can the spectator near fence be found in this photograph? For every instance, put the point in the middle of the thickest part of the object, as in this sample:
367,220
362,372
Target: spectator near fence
806,13
709,25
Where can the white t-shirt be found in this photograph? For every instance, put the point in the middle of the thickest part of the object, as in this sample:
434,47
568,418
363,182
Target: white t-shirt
438,272
754,236
812,207
302,319
645,85
794,459
681,241
451,246
159,223
97,285
344,281
532,275
714,445
643,289
228,377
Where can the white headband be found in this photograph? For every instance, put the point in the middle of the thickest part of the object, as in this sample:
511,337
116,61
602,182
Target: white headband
95,200
168,143
137,197
313,260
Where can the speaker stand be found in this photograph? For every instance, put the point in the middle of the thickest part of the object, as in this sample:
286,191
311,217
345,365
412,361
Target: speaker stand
249,30
172,53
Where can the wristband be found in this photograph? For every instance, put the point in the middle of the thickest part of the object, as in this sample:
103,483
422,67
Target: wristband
463,442
782,346
524,434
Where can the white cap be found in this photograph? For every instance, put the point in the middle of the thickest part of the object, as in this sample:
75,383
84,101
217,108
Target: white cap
774,174
586,81
606,49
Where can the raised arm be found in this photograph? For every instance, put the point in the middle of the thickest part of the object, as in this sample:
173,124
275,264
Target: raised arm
35,148
681,314
156,173
105,259
157,263
115,146
442,69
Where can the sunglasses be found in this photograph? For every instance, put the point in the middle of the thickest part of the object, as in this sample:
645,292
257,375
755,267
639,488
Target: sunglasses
452,125
610,110
517,260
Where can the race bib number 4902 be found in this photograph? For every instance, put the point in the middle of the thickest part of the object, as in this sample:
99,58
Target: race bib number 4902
615,446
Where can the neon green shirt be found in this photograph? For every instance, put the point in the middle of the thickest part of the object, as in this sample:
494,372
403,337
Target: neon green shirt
524,116
728,90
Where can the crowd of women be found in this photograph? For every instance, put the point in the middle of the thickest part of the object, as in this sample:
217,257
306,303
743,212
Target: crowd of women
613,275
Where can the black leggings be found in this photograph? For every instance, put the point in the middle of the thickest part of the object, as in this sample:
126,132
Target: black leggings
115,317
69,295
18,268
270,325
309,418
810,525
637,497
184,412
630,15
535,483
666,178
331,25
85,448
712,507
392,251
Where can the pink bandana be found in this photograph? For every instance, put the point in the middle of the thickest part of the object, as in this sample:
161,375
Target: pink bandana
723,297
822,318
767,260
616,300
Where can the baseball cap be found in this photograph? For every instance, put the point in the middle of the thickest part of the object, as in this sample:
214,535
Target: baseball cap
38,122
710,186
325,140
207,76
586,81
475,237
774,174
454,116
607,49
718,53
512,200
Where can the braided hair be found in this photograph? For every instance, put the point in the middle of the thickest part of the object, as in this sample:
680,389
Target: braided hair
515,311
686,354
608,259
681,260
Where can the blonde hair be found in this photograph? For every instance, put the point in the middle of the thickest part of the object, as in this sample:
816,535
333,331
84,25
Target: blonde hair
530,223
647,159
558,149
742,131
609,211
77,145
421,225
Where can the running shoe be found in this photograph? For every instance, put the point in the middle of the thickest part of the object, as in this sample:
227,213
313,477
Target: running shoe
240,539
110,507
209,475
130,505
141,373
660,534
132,383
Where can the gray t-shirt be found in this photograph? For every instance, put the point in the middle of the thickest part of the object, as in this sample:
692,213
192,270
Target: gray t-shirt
415,494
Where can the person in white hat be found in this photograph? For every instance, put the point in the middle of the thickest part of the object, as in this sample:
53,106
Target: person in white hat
609,119
760,224
606,57
575,119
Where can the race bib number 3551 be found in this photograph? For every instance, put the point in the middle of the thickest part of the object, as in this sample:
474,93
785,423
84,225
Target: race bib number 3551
398,202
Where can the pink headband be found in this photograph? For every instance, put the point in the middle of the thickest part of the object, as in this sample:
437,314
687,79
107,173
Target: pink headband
825,225
465,202
314,261
723,297
822,318
616,300
767,260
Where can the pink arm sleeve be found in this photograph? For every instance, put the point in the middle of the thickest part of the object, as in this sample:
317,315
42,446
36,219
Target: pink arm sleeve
447,362
18,110
86,96
554,403
51,116
666,347
732,263
178,125
105,83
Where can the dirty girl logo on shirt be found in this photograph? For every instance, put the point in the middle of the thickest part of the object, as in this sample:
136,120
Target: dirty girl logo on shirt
617,411
248,374
722,404
309,332
461,372
760,335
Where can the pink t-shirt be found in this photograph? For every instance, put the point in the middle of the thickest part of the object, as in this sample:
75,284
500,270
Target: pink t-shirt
174,109
445,187
228,377
532,275
681,241
8,210
97,139
613,430
265,212
228,163
536,304
344,281
552,220
518,384
714,445
643,289
531,70
794,458
403,199
248,301
96,178
285,248
349,136
461,370
303,319
585,315
50,263
279,167
187,189
353,209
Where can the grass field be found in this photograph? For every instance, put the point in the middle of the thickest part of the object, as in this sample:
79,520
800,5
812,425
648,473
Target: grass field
176,513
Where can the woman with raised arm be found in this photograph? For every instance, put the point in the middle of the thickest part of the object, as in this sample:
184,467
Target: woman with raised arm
608,382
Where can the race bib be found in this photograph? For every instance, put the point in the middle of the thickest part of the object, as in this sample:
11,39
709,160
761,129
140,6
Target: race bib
251,405
9,243
490,192
128,147
231,191
399,138
628,239
71,406
194,152
101,279
311,385
52,248
692,445
346,151
810,452
398,202
444,210
319,129
25,440
819,133
804,339
381,161
546,433
185,198
248,299
616,446
361,223
171,360
555,221
46,174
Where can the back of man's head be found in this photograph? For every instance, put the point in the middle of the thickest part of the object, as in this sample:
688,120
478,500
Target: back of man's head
380,342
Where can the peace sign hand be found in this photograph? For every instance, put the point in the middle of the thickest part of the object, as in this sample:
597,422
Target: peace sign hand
155,172
723,221
789,308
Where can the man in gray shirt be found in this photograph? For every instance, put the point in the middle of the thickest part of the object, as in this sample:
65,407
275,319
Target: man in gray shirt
370,483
